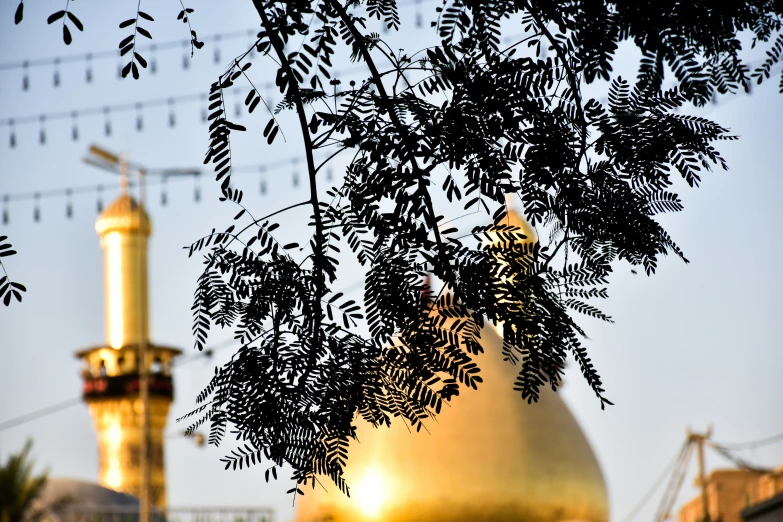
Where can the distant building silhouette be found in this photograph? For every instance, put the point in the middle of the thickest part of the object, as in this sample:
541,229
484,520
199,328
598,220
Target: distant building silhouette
735,495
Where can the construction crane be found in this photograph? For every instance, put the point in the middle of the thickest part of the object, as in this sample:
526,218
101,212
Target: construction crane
694,443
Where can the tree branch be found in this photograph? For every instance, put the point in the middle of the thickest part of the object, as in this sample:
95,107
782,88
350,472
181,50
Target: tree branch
318,256
389,108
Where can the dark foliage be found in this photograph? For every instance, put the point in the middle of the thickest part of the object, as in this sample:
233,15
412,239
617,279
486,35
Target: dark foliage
8,289
480,121
489,123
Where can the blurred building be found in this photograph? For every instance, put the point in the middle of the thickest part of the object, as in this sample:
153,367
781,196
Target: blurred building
111,376
68,500
735,495
489,456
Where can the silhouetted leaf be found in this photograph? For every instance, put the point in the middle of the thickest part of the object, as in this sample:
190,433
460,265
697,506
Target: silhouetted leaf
55,16
75,21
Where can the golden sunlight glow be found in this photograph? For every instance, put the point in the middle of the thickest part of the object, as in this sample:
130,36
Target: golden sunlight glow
114,289
114,434
114,474
371,492
113,447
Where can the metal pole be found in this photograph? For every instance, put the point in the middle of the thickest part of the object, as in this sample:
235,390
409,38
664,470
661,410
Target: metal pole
144,390
700,438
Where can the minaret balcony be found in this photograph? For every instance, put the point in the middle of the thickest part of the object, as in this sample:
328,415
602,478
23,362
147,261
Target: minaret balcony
126,385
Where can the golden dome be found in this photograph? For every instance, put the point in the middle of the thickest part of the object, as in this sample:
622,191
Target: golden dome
514,218
124,215
491,456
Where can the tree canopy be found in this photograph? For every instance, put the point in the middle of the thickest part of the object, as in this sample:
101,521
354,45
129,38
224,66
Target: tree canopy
476,121
21,489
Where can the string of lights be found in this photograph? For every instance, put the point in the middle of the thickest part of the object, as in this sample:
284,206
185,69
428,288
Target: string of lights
172,102
152,49
139,107
88,58
155,177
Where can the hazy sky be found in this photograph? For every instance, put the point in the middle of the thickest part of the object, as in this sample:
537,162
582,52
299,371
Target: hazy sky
694,345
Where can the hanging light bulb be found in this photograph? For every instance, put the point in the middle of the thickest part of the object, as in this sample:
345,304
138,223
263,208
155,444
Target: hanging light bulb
25,77
153,59
74,127
5,210
197,188
237,104
251,43
295,177
139,120
262,184
185,55
329,174
88,71
172,116
12,136
106,122
419,16
56,79
164,198
42,131
100,199
216,53
68,204
37,208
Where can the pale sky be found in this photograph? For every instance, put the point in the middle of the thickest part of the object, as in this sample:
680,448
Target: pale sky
694,345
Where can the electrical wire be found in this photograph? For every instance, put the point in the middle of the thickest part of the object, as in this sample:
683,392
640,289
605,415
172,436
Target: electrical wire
666,472
766,441
43,412
675,483
60,406
739,462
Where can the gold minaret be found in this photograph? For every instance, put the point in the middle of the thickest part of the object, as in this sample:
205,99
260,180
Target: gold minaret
111,372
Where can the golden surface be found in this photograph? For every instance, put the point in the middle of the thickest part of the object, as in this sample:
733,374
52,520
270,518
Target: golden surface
124,228
122,361
490,456
124,215
118,425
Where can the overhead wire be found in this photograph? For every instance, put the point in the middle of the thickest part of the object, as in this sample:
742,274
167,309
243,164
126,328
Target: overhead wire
739,462
675,483
666,472
43,412
60,406
766,441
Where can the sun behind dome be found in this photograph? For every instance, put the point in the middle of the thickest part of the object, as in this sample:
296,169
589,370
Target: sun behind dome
490,456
